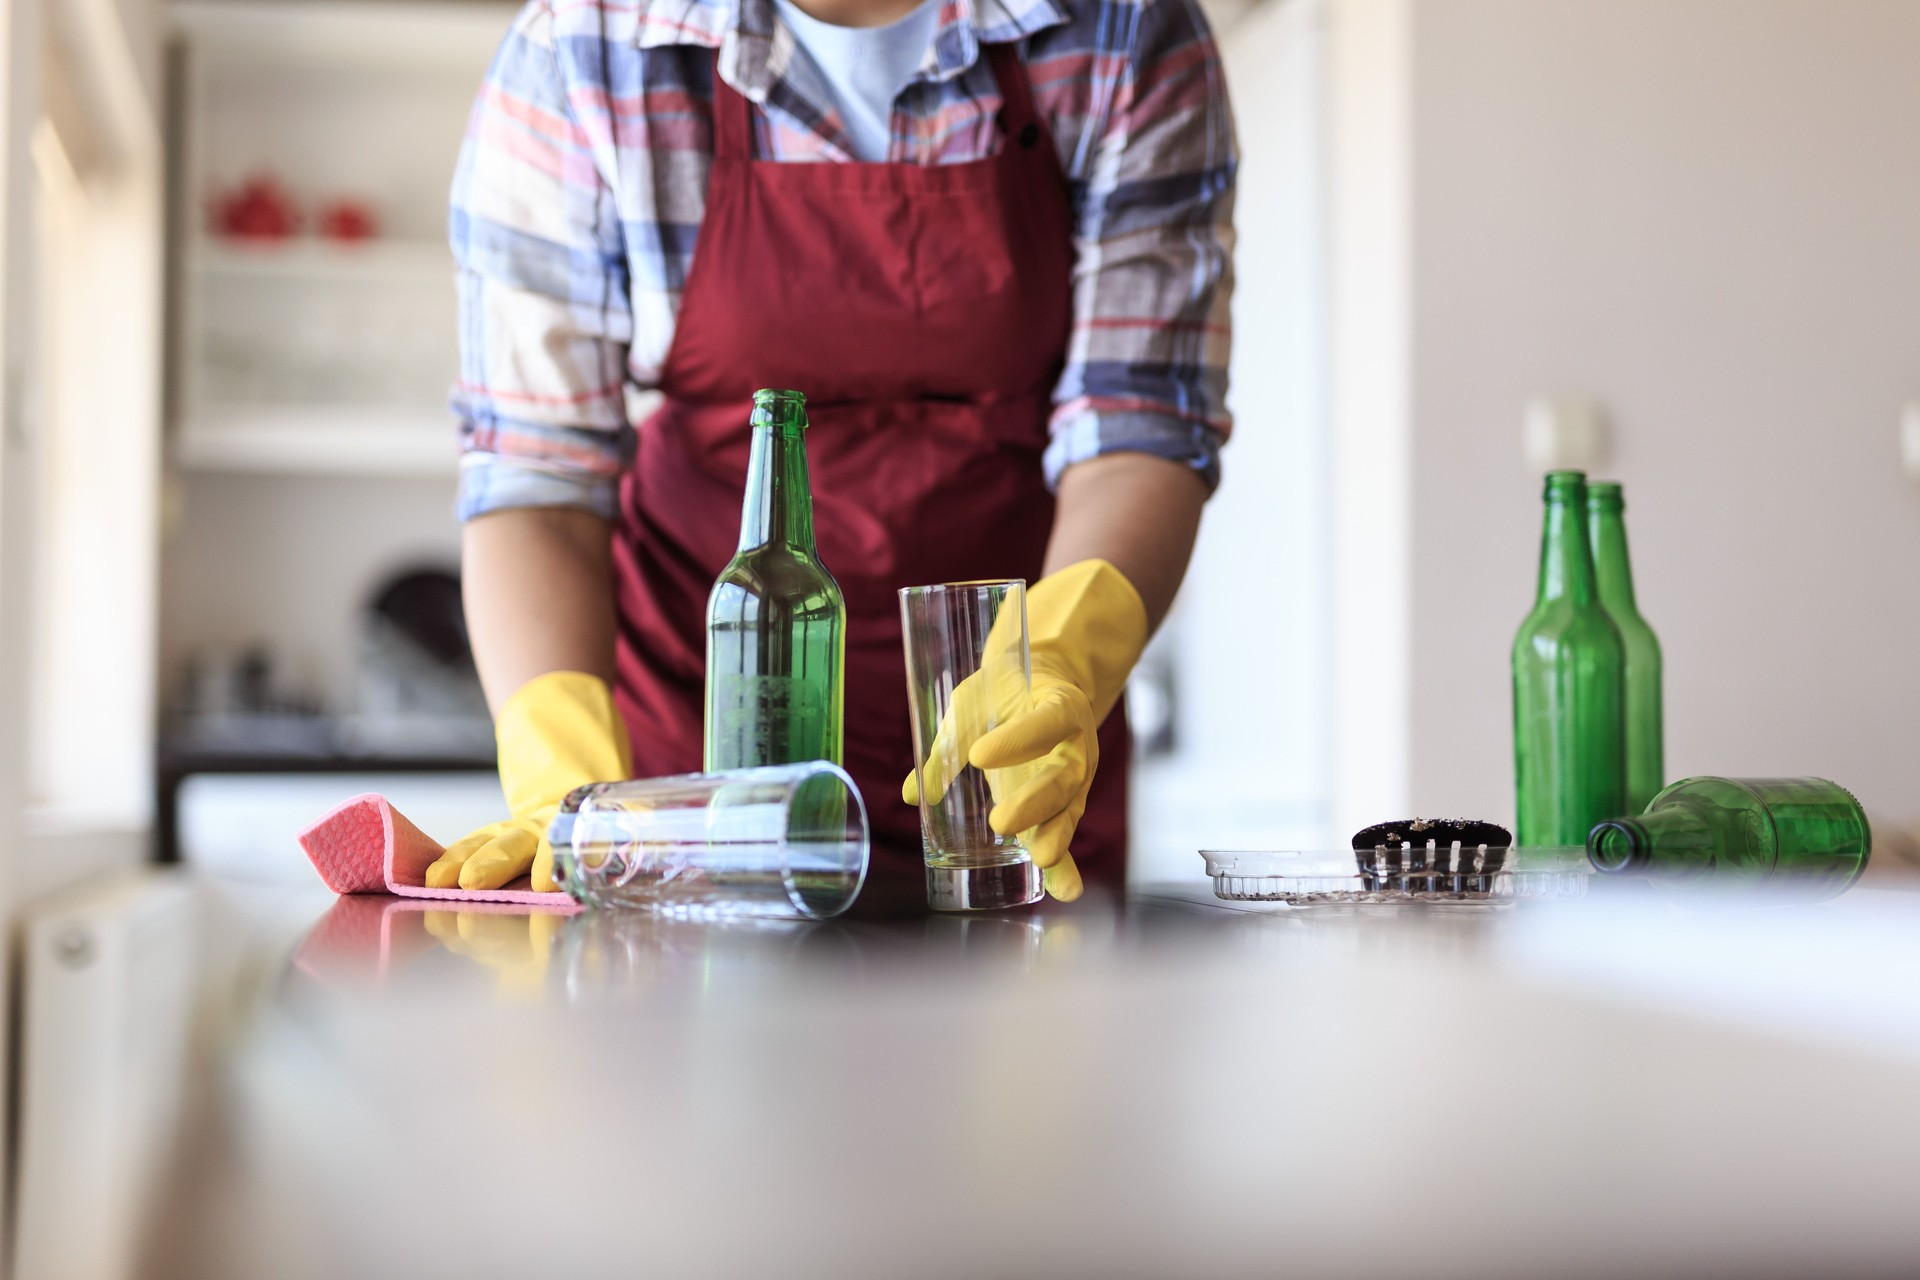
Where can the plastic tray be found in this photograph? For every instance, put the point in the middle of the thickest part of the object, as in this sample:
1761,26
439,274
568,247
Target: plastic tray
1324,877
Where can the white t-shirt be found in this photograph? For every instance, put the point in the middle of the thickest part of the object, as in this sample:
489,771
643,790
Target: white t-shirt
866,67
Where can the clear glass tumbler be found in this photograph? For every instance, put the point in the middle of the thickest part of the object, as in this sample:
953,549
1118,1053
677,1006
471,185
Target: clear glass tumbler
784,842
967,673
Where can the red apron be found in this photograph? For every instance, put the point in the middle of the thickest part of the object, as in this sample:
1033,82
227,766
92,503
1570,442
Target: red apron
924,310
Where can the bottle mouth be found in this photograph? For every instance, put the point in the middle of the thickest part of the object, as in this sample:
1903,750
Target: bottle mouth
1606,495
1617,846
1565,485
783,411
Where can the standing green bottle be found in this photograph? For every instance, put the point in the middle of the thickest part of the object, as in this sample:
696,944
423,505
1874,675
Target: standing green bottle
776,621
1569,687
1607,531
1804,838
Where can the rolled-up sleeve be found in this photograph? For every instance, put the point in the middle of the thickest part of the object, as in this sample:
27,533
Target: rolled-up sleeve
545,319
1146,368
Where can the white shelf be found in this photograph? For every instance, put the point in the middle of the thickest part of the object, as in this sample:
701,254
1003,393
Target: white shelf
320,440
311,261
452,35
309,355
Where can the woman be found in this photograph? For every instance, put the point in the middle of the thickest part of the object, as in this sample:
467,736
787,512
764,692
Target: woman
989,239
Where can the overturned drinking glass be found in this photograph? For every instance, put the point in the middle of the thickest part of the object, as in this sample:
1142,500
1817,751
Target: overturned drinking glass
782,842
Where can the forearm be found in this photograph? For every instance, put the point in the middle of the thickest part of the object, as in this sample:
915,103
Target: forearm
539,596
1136,511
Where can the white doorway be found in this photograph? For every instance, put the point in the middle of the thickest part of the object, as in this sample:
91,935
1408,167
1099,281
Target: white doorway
1243,662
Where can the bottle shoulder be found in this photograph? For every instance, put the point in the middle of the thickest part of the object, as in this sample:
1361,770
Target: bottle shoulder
1718,820
1635,632
1726,792
1571,622
778,572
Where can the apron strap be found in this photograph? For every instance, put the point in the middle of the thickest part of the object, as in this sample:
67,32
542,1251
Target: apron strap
1015,93
732,119
733,114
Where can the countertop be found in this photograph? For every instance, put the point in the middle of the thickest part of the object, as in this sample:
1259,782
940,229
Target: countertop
1165,1086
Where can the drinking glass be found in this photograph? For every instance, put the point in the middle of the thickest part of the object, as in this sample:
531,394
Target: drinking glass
967,673
783,842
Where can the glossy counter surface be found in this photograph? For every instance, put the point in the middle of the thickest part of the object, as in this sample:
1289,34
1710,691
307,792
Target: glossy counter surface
1168,1087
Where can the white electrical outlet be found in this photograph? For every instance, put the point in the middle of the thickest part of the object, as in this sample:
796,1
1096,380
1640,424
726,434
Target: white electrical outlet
1910,440
1564,433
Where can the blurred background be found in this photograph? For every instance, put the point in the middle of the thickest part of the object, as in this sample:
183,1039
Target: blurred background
1670,241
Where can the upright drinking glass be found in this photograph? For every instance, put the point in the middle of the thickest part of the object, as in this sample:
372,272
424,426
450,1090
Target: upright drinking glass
967,673
785,841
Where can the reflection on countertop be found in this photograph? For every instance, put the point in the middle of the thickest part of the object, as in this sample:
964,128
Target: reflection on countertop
364,942
1168,1085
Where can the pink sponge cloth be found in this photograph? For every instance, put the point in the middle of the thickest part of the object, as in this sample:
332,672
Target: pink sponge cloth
366,846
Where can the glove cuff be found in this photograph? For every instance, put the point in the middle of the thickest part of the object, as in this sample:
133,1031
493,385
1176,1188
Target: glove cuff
559,731
1089,622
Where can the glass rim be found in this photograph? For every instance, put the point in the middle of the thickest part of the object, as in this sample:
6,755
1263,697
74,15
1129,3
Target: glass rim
975,586
797,774
805,772
797,770
792,776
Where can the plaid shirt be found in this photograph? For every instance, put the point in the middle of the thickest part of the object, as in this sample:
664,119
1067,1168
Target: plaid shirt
578,201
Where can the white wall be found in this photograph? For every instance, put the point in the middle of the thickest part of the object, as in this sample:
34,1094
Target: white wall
1706,214
1369,132
92,717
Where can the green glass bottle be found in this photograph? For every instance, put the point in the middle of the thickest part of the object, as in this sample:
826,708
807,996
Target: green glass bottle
776,621
1805,838
1613,572
1569,687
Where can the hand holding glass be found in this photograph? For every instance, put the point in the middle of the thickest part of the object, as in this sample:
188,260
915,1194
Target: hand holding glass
967,675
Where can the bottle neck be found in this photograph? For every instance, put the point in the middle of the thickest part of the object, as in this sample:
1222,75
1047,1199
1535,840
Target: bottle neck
1613,572
1566,565
779,504
1674,837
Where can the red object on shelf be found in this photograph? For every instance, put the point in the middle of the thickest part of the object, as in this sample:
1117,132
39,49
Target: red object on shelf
261,209
349,221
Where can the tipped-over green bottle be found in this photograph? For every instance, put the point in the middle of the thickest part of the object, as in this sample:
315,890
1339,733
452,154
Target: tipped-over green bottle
1805,838
1569,687
776,622
1613,573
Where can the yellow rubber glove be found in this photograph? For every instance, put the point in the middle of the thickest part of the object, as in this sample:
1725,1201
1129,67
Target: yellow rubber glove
557,732
1086,626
